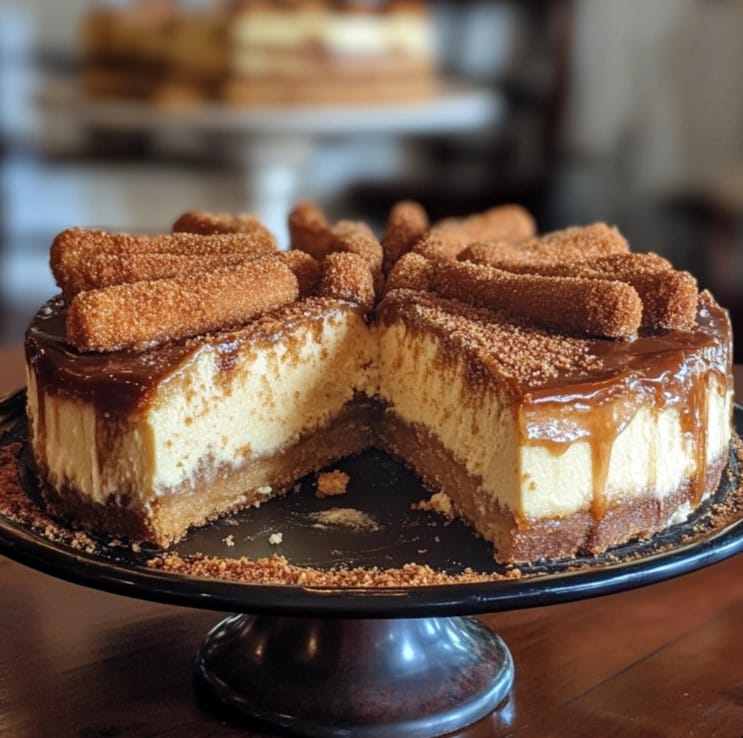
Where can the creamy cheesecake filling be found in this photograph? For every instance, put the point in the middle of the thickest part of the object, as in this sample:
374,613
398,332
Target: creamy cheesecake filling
224,405
336,33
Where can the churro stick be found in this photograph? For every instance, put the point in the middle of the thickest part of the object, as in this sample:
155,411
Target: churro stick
309,231
73,249
585,307
209,224
440,245
105,270
305,268
510,223
406,225
347,276
413,272
357,238
669,297
141,314
556,248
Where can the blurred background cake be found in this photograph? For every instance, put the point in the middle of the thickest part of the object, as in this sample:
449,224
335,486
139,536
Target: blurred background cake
581,110
260,53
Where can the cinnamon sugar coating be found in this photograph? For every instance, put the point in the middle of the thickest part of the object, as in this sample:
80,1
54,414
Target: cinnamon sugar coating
309,231
406,225
346,276
208,224
669,297
556,248
305,268
517,354
82,258
510,223
577,306
143,313
357,238
412,271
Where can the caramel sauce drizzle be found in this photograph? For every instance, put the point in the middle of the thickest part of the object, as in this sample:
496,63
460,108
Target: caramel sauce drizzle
668,370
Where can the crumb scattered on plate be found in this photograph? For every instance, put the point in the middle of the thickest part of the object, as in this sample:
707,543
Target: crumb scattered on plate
330,484
438,502
229,540
275,538
344,516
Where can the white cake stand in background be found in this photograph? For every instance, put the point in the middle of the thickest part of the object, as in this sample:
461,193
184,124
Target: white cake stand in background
274,145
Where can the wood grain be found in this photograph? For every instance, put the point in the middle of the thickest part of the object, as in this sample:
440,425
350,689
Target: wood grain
653,662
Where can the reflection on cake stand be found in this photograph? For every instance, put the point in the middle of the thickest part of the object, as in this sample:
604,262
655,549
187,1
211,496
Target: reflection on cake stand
273,145
361,661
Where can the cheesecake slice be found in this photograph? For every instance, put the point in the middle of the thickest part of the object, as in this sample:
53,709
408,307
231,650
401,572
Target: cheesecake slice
147,444
551,446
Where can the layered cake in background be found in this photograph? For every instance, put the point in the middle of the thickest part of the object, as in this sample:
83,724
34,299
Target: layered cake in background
563,394
284,52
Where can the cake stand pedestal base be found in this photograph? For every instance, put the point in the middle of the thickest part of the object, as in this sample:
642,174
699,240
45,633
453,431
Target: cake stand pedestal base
416,678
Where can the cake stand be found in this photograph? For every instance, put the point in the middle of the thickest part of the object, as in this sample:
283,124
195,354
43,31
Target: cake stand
361,661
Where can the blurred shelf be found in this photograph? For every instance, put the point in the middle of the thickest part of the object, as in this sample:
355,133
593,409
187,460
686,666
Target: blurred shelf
456,108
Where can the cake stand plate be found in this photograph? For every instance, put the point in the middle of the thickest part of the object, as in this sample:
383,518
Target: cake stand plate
367,661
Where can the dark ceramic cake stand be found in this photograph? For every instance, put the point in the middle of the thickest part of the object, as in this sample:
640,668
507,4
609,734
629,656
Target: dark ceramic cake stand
393,661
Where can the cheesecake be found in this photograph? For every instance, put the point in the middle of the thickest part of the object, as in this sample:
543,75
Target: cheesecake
293,52
562,394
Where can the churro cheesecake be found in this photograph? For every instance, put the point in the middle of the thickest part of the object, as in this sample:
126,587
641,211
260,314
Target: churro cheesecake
561,393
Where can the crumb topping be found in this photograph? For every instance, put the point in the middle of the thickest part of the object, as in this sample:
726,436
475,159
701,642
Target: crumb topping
512,351
332,483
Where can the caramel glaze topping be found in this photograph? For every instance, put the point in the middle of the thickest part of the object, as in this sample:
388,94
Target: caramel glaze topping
121,382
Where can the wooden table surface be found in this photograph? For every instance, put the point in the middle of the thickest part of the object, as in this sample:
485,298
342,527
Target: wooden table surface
666,660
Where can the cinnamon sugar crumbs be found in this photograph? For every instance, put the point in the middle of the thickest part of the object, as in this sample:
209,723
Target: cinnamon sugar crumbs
277,570
331,484
15,505
507,349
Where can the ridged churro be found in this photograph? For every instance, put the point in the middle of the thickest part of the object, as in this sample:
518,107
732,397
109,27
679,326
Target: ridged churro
309,231
357,238
583,307
141,314
209,224
413,272
669,297
305,268
406,225
82,258
510,223
556,248
347,276
312,233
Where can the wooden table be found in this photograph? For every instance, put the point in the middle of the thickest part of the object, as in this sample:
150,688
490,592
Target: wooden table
655,662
